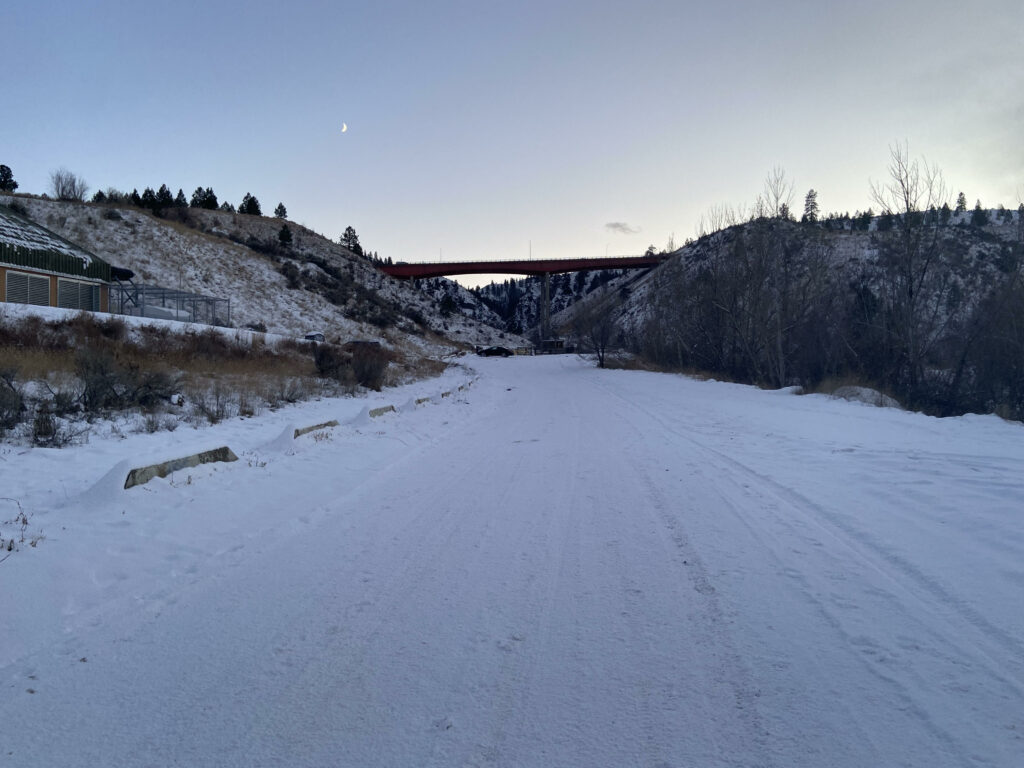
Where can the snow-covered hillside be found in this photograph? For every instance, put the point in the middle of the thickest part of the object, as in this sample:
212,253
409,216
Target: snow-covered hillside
518,301
237,257
554,566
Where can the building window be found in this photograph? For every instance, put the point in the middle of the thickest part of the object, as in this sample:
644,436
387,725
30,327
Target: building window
72,294
23,288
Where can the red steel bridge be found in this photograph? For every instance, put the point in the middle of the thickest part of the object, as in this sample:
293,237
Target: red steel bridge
518,266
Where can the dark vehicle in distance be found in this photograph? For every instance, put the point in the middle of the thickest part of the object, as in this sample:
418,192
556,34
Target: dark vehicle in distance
495,352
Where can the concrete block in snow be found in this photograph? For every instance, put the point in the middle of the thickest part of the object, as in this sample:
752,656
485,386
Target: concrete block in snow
143,475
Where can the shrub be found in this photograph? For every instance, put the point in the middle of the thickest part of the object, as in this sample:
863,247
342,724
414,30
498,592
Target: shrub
44,426
63,403
148,388
329,360
291,274
102,381
211,403
113,328
11,402
369,363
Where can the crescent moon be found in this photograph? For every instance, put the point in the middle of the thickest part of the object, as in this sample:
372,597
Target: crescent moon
344,127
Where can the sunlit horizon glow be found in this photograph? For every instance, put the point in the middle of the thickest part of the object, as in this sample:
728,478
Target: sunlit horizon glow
574,129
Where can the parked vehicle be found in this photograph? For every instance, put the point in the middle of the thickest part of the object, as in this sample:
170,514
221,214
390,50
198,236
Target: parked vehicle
495,352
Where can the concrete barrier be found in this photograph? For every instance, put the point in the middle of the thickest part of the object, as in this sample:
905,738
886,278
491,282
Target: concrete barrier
142,475
375,412
305,430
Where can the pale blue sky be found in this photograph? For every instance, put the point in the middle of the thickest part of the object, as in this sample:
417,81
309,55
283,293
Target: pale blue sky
476,129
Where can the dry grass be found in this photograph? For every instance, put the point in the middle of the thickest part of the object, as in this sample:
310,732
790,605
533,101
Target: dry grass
629,362
90,365
38,364
626,362
830,384
426,367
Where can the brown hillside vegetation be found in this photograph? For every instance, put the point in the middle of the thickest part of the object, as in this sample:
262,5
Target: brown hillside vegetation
58,375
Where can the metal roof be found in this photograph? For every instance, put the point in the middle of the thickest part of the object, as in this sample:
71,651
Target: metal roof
24,243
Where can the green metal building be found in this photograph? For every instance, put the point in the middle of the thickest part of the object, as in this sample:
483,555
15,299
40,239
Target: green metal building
40,267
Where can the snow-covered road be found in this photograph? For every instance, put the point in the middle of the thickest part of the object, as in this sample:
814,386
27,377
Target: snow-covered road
560,566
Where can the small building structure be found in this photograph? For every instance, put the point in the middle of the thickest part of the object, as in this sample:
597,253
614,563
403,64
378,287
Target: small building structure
40,267
554,346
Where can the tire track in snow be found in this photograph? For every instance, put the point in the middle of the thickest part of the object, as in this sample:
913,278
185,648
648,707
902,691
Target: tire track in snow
882,559
544,556
745,490
712,631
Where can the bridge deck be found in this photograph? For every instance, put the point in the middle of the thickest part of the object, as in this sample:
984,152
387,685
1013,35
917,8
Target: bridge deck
518,267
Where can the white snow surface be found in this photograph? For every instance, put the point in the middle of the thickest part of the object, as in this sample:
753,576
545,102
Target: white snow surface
556,566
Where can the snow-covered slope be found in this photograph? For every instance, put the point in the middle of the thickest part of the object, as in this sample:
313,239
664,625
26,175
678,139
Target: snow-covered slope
518,302
239,257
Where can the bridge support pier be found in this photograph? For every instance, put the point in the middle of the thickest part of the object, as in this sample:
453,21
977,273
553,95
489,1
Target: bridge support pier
545,307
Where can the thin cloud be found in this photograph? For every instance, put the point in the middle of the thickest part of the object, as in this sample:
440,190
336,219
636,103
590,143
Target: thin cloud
621,228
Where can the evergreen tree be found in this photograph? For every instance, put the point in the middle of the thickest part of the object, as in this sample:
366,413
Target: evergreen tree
7,182
164,198
250,206
285,236
179,200
99,197
210,200
811,206
979,216
148,199
945,213
961,203
351,241
226,206
198,198
281,212
579,283
135,199
448,305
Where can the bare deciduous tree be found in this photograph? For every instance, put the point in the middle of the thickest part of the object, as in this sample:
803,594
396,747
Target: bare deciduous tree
718,217
776,200
67,186
916,290
913,185
595,326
